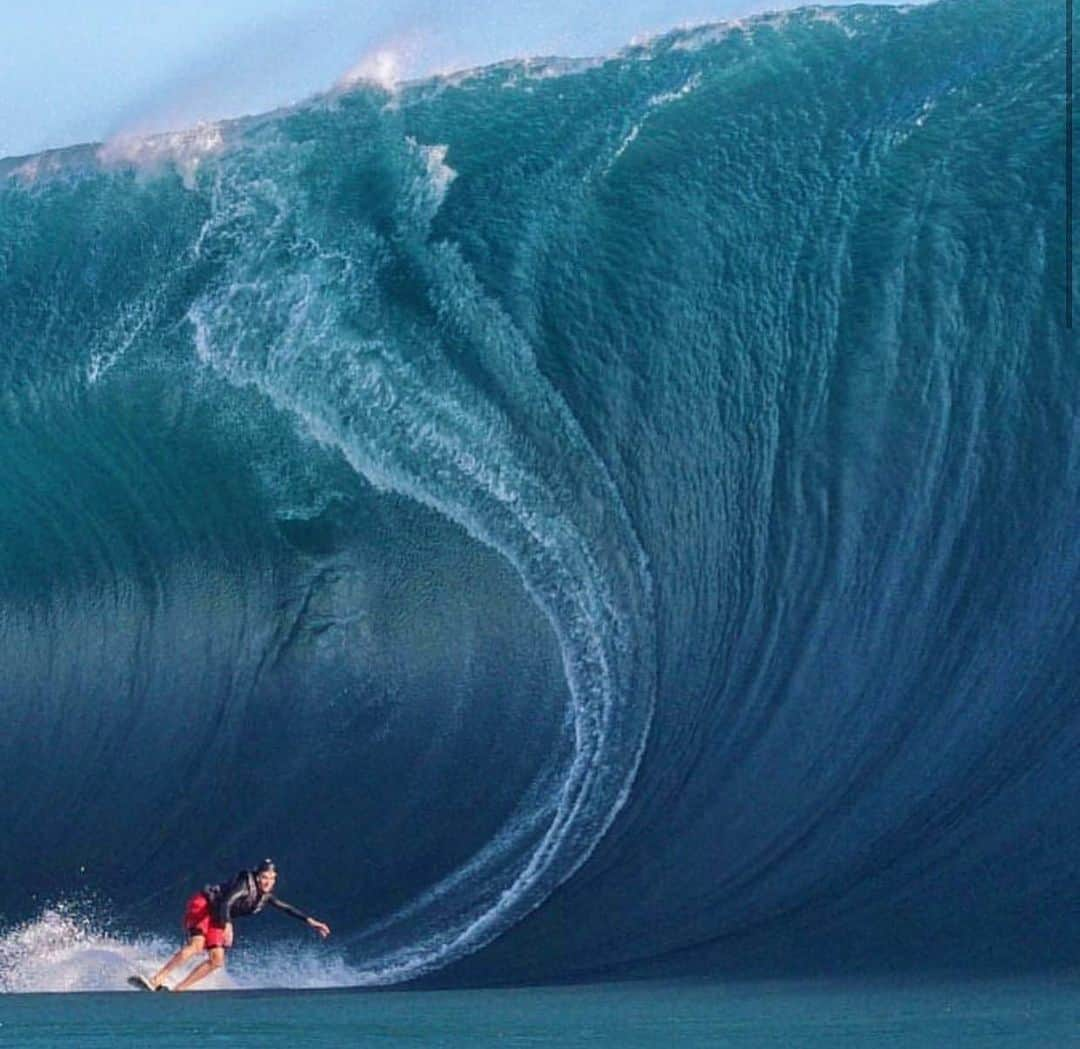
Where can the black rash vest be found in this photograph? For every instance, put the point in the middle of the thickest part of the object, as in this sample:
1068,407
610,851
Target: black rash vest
241,896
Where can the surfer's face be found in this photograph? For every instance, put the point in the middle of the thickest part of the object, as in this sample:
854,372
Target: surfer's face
266,880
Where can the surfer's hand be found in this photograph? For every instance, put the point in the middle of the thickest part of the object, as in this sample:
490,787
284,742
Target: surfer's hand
320,927
228,934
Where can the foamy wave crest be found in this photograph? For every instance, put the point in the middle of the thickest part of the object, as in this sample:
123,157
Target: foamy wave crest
185,150
383,67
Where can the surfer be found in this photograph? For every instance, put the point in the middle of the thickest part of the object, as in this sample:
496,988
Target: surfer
208,923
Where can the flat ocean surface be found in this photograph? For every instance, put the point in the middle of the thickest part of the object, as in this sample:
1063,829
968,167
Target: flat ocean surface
1035,1013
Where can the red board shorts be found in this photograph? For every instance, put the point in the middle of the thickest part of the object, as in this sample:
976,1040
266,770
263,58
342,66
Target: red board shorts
199,922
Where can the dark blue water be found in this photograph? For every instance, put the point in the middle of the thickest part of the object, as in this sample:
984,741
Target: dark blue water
578,517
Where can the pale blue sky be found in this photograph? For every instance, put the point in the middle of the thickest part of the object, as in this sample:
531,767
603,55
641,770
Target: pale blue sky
85,71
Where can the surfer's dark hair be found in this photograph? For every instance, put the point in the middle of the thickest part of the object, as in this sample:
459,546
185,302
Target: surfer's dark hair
265,866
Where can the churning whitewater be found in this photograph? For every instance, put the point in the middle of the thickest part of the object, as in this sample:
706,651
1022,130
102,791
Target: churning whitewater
577,516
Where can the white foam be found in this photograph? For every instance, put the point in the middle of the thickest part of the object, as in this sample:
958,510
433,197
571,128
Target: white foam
428,190
62,950
185,150
625,144
702,34
65,949
927,108
699,37
382,68
665,97
518,71
42,165
833,16
385,65
656,102
113,342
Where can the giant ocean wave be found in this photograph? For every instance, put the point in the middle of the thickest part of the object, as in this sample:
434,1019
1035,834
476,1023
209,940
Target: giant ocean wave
572,514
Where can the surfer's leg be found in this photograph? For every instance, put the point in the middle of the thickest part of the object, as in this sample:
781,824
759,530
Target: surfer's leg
194,946
215,961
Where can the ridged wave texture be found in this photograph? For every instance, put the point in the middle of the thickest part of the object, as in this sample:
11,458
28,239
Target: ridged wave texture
570,514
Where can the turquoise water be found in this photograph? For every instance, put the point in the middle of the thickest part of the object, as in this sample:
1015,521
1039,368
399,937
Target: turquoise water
623,1016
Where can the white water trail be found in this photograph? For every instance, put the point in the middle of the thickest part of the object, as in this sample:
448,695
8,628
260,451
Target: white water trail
66,949
516,473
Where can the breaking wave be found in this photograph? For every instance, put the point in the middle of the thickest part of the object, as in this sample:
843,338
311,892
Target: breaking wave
570,514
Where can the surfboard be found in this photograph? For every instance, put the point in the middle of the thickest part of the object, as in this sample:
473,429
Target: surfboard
140,983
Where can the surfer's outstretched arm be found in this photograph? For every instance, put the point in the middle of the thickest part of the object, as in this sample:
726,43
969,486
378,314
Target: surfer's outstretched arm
320,927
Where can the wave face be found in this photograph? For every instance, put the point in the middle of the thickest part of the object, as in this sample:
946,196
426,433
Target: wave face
571,514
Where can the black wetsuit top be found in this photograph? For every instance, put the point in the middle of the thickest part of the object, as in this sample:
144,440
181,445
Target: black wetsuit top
241,896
